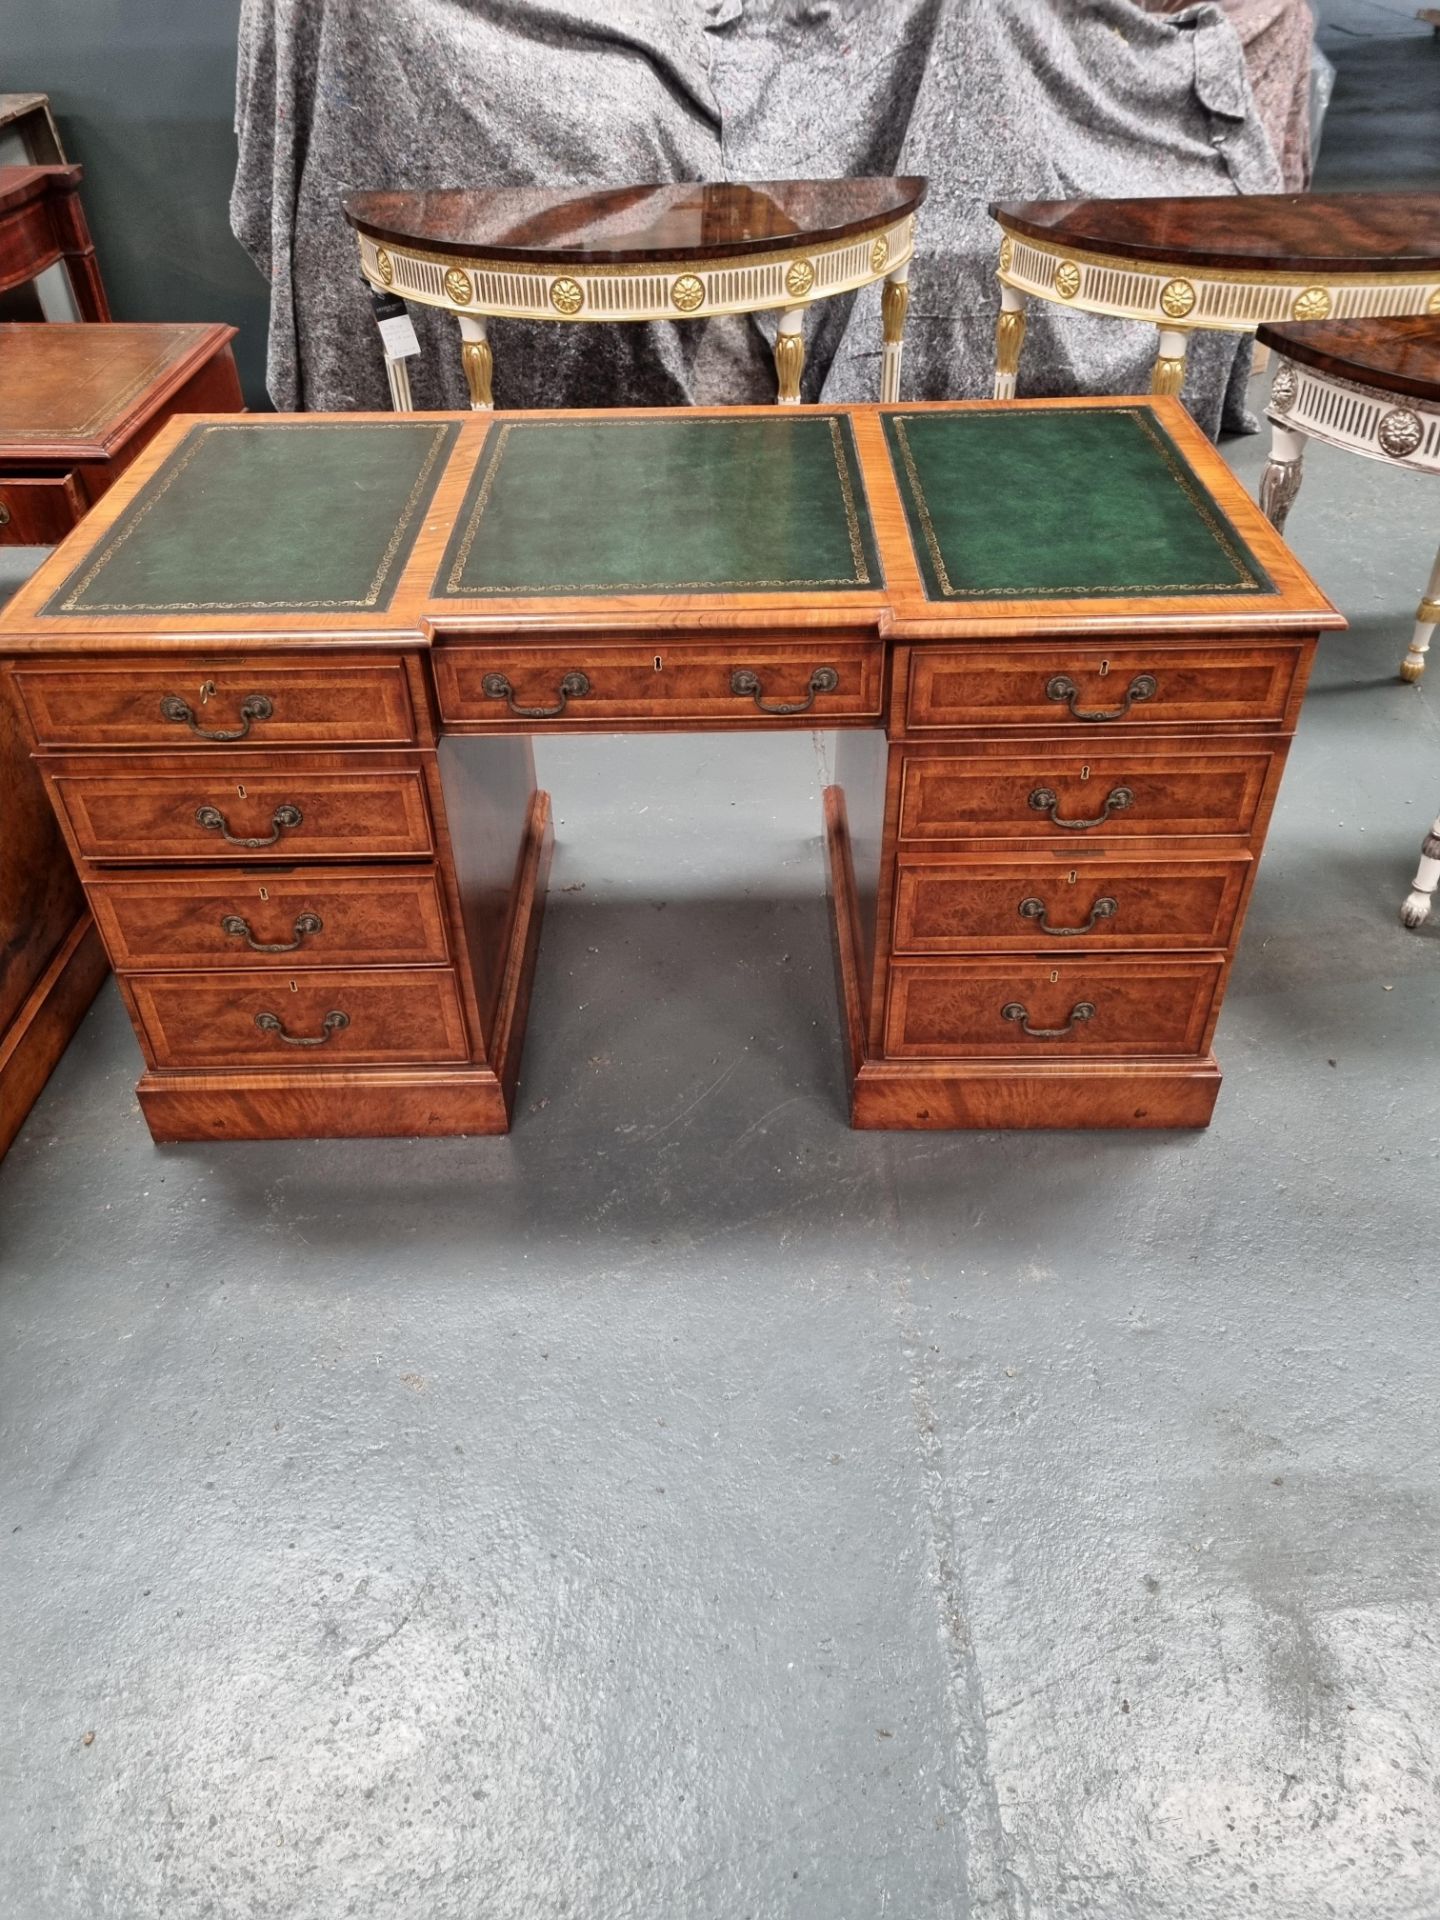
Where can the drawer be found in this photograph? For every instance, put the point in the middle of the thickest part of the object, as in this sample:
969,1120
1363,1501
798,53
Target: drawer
314,917
373,1017
37,510
197,704
243,812
1088,688
1021,905
1007,1009
1059,795
590,684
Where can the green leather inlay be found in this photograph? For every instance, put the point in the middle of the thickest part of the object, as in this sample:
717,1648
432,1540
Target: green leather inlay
1007,503
265,517
750,505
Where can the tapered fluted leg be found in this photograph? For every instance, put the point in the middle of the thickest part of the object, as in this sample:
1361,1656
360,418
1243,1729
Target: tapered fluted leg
1009,338
1168,374
789,357
478,361
1280,481
1420,899
1427,615
894,303
397,372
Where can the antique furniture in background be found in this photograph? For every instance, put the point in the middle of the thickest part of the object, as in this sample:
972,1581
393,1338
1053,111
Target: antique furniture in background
1224,265
77,403
1371,387
680,252
44,237
28,134
282,686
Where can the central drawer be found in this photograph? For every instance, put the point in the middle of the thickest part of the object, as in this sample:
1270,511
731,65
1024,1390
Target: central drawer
1076,1009
1053,793
589,683
376,1017
39,509
310,917
241,810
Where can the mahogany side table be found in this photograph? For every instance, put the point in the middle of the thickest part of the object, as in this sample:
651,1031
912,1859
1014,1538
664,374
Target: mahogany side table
77,405
678,252
43,225
1226,262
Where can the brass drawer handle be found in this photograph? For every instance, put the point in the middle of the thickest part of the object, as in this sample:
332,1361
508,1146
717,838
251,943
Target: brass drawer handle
1082,1011
255,706
1044,800
238,927
329,1026
1105,908
744,680
4,514
283,817
1061,687
573,687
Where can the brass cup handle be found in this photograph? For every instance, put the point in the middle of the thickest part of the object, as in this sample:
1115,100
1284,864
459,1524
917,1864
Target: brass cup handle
1082,1011
213,820
573,687
1061,687
236,925
1045,800
329,1027
255,706
1105,908
744,680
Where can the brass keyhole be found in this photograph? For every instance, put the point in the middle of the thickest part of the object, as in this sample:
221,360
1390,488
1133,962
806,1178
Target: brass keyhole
1104,668
659,664
242,793
1085,773
1054,975
265,891
293,987
1071,877
206,690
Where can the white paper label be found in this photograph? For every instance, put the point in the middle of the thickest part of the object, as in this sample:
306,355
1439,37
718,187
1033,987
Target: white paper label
398,335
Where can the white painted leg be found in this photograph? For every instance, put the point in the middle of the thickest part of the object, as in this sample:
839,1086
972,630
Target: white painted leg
1009,338
398,374
1168,373
894,303
478,361
789,356
1420,899
1427,616
1280,481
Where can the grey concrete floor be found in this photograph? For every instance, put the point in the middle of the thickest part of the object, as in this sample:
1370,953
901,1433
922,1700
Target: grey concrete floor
687,1507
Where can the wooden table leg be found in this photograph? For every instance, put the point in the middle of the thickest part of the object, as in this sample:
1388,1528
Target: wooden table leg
1168,375
478,361
1421,897
789,356
1009,338
894,303
1280,481
1427,615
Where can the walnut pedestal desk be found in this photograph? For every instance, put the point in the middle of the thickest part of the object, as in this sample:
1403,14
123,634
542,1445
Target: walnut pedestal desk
282,687
680,252
1225,262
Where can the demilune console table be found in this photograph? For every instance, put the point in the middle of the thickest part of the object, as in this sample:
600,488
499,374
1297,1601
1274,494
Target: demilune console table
282,684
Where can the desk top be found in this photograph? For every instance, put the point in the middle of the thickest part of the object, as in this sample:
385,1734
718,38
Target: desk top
1321,233
1402,356
78,391
685,221
953,520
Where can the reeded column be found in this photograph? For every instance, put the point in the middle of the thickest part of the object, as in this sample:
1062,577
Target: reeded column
1427,616
789,356
477,360
894,304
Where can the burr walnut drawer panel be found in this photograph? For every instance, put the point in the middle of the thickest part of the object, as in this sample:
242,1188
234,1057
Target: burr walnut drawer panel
1086,689
1051,793
371,1017
300,917
589,684
1020,905
246,810
219,704
1019,1008
39,509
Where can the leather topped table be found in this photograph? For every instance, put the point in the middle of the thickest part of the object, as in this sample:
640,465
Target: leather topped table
282,688
1371,387
683,251
1225,262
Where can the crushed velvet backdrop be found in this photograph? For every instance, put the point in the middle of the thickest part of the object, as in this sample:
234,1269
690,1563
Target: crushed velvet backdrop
991,99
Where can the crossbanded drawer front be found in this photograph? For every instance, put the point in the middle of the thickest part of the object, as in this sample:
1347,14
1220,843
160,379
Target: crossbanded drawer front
315,917
1051,795
243,812
1086,689
1022,1009
373,1017
1022,906
246,703
39,509
587,684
